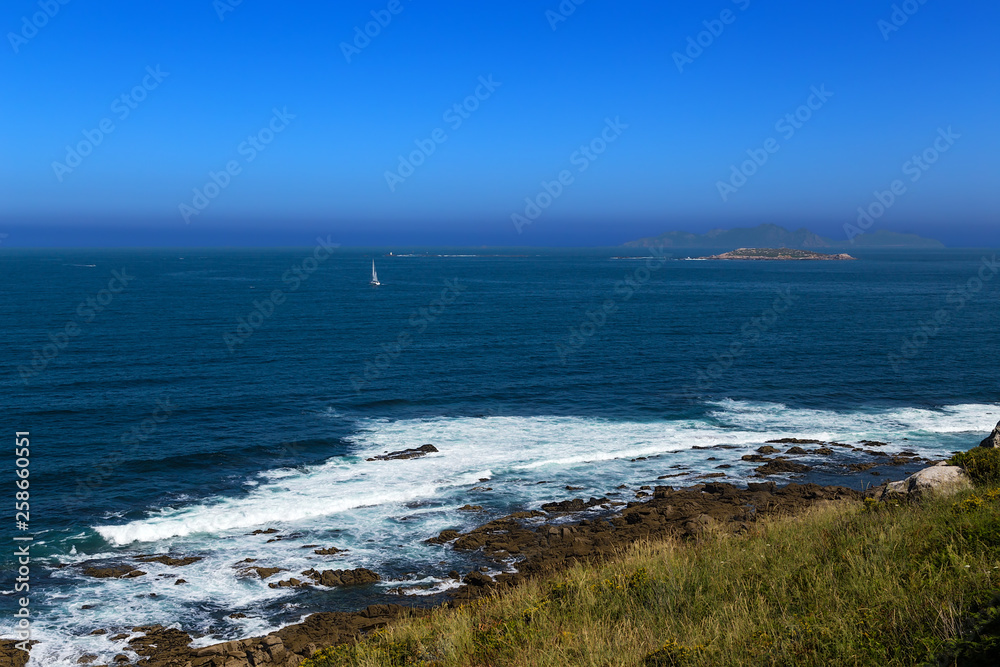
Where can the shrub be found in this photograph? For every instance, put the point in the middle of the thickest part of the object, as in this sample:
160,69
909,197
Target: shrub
982,464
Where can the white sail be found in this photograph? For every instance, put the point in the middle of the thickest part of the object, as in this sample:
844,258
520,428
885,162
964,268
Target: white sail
374,275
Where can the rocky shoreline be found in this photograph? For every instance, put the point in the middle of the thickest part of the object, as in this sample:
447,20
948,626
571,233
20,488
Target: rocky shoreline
536,542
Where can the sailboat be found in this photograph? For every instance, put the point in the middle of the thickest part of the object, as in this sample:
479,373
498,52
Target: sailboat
374,281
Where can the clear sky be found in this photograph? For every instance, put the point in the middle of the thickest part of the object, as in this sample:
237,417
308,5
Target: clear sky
204,82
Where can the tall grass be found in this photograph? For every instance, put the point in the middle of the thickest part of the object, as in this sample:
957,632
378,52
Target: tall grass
846,584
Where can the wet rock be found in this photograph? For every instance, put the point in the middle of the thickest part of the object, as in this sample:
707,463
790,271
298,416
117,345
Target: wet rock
423,450
794,441
269,531
767,449
477,579
712,475
823,451
861,467
180,581
993,440
444,537
796,451
575,505
780,466
333,578
756,458
470,508
119,572
874,443
262,572
329,551
168,560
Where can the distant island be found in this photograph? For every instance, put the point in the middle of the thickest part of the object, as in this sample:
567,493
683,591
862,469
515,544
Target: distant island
783,254
773,236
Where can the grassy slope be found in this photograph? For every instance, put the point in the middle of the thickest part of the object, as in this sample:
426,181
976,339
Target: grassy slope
842,585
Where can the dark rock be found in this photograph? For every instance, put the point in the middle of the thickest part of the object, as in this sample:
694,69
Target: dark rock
262,572
477,579
470,508
445,537
167,560
423,450
794,441
993,440
269,531
332,578
780,466
756,458
823,451
575,505
796,451
874,443
767,449
121,572
330,551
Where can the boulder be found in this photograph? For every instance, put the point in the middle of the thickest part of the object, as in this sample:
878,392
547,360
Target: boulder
423,450
331,578
994,439
938,480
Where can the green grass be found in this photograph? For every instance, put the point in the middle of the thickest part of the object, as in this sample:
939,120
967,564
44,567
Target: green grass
846,584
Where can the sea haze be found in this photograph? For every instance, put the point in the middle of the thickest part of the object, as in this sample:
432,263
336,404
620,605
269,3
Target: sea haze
195,405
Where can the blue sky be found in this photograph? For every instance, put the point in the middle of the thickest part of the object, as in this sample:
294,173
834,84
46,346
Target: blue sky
223,71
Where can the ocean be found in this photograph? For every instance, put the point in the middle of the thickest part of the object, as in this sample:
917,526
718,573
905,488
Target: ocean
180,400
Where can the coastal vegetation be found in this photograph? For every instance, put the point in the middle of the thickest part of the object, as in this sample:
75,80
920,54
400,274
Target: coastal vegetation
845,583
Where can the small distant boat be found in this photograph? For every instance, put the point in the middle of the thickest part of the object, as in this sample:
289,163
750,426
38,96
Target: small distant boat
374,281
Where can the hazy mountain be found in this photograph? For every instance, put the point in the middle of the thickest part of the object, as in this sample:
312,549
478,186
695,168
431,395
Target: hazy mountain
773,236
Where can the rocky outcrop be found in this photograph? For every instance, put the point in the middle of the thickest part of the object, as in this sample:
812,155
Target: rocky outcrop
994,438
168,560
159,647
332,578
938,480
423,450
11,655
115,572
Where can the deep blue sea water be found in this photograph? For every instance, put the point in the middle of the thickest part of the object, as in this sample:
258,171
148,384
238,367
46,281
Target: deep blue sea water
159,425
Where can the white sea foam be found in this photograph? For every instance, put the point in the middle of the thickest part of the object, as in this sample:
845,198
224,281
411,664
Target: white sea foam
382,511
